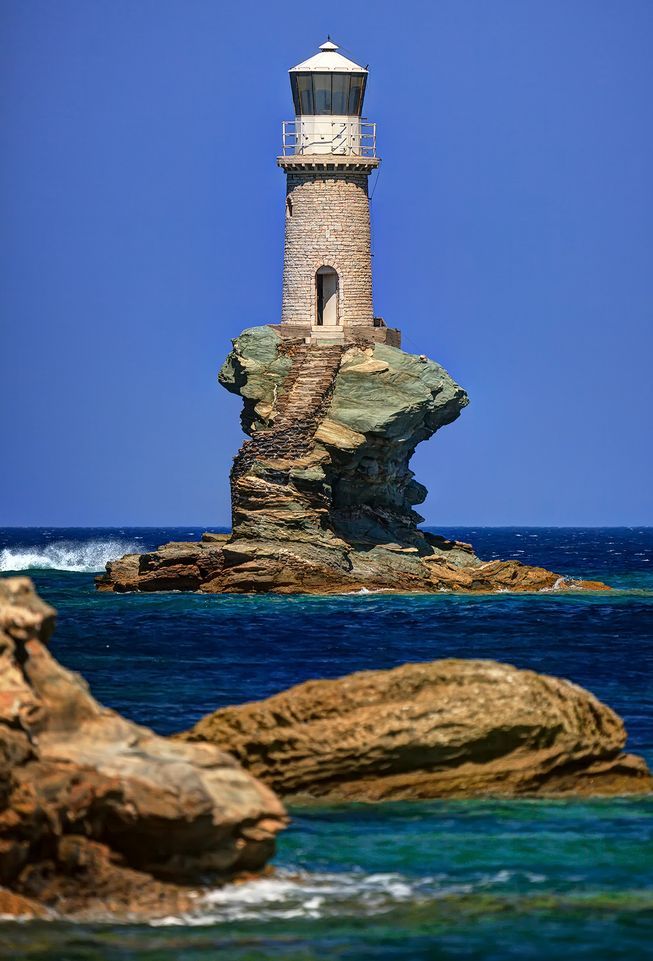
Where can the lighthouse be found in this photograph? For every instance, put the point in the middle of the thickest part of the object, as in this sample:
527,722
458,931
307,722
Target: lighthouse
328,154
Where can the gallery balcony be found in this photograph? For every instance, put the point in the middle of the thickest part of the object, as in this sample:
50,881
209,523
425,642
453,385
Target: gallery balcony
328,141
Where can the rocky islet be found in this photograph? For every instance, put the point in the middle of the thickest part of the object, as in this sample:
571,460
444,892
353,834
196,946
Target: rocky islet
323,497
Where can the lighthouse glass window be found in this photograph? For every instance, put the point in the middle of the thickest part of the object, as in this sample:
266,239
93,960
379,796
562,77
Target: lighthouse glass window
356,95
339,94
322,93
317,94
303,93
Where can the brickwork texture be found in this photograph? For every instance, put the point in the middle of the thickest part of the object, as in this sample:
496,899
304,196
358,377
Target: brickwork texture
327,225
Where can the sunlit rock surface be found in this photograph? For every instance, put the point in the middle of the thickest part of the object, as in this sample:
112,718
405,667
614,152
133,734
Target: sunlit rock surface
451,728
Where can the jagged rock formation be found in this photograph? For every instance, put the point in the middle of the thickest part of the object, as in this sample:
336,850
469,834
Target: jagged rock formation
322,493
99,815
451,728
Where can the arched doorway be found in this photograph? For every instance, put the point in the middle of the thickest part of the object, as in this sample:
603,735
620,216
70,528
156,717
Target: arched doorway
326,288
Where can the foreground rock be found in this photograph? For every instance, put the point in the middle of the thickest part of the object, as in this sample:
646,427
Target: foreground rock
322,495
98,814
452,728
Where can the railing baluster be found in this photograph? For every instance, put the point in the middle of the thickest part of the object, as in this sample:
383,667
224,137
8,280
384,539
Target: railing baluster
349,136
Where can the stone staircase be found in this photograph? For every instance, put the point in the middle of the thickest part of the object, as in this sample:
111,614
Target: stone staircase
327,335
303,401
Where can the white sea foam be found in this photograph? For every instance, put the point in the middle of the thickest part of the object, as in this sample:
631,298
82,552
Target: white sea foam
79,556
290,895
366,590
299,895
559,585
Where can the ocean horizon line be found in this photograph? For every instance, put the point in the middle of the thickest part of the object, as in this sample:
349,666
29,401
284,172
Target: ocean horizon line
225,528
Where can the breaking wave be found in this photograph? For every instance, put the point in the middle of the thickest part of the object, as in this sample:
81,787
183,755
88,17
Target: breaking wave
81,557
293,895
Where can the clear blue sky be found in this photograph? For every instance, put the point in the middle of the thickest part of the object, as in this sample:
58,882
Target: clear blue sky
142,228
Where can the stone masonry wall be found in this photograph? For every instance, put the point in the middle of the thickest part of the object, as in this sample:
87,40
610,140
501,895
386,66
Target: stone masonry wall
327,224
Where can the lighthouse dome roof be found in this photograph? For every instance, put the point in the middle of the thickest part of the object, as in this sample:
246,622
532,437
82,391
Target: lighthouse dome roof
328,60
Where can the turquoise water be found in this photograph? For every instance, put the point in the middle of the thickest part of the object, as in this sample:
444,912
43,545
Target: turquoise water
456,879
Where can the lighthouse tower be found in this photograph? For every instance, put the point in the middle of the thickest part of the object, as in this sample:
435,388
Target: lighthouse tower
328,153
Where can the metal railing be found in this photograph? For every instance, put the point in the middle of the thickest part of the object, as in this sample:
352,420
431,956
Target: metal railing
321,135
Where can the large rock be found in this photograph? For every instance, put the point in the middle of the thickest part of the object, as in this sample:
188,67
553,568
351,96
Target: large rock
323,498
98,813
451,728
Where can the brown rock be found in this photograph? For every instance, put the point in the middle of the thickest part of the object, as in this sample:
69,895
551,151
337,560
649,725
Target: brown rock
509,576
178,566
15,906
245,565
95,809
451,728
209,537
122,575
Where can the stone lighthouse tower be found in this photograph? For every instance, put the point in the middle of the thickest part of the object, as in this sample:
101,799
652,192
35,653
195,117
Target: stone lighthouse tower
329,151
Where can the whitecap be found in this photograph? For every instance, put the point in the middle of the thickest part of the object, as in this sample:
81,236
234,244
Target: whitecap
77,556
306,895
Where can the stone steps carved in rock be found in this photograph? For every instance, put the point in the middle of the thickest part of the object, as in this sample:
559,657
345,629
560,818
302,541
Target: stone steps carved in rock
299,408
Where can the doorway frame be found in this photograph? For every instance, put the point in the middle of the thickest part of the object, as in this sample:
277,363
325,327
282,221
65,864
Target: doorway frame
325,268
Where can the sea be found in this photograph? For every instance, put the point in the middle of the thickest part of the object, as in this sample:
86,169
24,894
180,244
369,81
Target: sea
423,881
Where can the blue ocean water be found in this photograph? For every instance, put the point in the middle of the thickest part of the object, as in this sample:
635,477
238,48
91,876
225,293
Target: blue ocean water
464,879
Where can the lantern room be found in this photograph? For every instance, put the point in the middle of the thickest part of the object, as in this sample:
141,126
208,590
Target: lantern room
328,91
328,84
